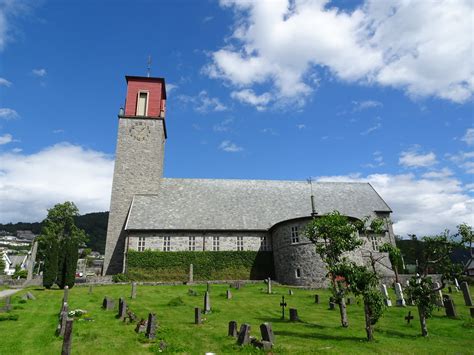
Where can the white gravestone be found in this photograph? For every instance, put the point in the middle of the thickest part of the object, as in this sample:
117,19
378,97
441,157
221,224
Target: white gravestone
386,298
399,293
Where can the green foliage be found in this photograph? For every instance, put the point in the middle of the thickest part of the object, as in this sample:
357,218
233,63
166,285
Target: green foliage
467,235
2,264
165,266
120,278
421,291
19,273
176,302
58,243
437,251
394,254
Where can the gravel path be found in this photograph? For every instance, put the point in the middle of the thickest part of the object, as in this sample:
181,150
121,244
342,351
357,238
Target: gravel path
6,293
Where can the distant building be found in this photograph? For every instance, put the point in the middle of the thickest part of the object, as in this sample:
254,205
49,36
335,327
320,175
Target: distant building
13,261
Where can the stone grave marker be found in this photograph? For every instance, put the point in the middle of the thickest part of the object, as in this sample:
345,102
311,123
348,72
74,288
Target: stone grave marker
409,317
350,301
108,304
449,307
62,323
290,292
267,333
130,318
450,289
439,294
316,299
228,294
244,335
64,308
7,307
399,293
191,274
141,326
283,305
386,298
197,315
207,303
66,294
294,315
208,284
134,291
466,294
232,330
90,289
332,304
269,285
151,326
456,283
30,296
67,340
122,311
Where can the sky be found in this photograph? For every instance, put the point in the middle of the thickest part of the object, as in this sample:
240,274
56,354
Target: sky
371,91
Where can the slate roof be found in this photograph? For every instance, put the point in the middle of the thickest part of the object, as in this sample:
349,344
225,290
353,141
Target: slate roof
210,204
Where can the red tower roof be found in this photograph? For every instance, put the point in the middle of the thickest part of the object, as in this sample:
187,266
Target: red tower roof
146,96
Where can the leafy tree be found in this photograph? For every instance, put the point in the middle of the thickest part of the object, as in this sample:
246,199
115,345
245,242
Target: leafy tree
363,282
467,236
374,228
59,242
334,234
394,255
422,292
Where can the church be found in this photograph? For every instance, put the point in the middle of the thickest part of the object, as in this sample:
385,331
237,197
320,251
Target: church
149,211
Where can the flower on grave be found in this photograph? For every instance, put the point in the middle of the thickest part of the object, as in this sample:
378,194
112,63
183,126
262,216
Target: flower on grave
77,313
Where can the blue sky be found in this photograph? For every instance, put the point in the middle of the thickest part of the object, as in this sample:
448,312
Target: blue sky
344,90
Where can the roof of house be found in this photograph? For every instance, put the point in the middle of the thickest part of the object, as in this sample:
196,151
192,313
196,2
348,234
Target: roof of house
16,260
209,204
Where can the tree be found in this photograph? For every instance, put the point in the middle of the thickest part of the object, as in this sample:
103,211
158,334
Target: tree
467,236
334,234
422,292
59,242
394,255
361,281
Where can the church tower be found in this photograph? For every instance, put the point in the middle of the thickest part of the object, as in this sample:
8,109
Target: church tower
138,159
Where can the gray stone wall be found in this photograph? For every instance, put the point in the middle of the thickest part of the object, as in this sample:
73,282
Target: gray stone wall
204,241
138,170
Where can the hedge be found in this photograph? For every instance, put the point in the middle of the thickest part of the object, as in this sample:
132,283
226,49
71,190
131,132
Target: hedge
207,265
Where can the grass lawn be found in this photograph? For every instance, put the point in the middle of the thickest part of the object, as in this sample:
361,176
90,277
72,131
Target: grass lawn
318,331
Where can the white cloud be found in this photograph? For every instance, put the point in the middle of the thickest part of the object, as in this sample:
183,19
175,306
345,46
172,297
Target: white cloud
6,138
8,113
301,126
171,87
421,206
371,129
228,146
469,136
269,131
364,105
464,160
413,159
5,82
10,9
39,72
203,103
377,160
223,126
30,184
422,47
248,96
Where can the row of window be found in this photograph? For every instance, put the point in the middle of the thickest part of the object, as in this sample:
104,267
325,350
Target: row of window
264,245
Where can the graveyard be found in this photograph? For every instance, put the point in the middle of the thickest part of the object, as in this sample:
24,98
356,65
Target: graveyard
33,321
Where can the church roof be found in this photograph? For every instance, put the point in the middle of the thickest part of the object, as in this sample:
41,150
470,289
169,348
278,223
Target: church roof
211,204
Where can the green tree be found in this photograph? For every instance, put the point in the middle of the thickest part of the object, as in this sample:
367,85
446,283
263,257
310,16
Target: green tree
467,236
334,234
394,255
59,242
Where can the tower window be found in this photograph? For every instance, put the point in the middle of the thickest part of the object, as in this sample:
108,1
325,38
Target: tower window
240,243
192,243
294,235
141,243
142,104
375,243
298,273
215,243
166,243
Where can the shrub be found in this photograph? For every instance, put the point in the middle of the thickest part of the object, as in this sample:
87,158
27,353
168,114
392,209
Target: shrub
120,278
176,302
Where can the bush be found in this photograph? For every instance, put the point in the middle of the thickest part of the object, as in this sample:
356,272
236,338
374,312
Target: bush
120,278
22,274
208,265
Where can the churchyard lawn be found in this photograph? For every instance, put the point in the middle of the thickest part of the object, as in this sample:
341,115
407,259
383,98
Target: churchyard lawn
319,328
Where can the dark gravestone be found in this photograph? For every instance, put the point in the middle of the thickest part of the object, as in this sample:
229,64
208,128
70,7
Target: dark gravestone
472,312
66,294
316,299
466,294
122,311
409,317
134,291
108,304
449,306
67,340
197,315
450,289
228,294
232,331
151,327
141,326
350,301
130,318
283,305
294,315
244,335
267,332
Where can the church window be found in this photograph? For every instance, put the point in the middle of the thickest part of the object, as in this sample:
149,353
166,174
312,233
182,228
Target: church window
142,103
166,243
375,242
240,243
215,243
298,273
192,243
264,243
141,243
294,235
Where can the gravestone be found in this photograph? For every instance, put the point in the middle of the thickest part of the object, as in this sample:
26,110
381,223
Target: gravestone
456,283
332,303
439,294
30,296
141,326
409,317
350,301
207,303
130,318
399,293
67,340
197,315
191,273
64,308
7,307
151,326
449,307
90,289
122,312
108,304
66,294
269,286
191,292
386,298
134,291
466,294
244,335
290,292
228,294
294,315
208,287
62,323
267,332
316,299
282,305
450,289
232,331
